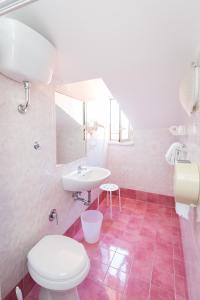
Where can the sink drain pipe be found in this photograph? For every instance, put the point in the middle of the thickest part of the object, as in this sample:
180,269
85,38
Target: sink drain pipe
77,196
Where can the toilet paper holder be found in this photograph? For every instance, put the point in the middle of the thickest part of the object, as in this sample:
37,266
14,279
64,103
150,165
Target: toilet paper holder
187,182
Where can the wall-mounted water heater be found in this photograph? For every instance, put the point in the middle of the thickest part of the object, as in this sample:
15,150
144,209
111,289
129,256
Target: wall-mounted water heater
25,55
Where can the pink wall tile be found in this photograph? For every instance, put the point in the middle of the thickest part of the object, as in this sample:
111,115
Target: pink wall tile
142,165
30,180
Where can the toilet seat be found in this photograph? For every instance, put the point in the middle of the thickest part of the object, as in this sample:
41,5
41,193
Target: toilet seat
58,262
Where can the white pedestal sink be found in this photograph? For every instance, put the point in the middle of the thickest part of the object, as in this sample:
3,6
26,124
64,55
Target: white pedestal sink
86,180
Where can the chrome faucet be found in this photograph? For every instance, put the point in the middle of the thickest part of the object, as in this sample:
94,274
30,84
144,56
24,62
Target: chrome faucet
80,169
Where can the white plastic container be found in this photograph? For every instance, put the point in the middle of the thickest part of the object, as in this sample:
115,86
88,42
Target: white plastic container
91,223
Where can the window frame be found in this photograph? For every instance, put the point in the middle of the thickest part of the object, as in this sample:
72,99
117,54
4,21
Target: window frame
120,140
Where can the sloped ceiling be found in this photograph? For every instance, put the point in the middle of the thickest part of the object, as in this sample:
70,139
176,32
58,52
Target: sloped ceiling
140,48
93,89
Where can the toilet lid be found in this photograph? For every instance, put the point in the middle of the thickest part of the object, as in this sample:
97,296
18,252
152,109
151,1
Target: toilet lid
57,257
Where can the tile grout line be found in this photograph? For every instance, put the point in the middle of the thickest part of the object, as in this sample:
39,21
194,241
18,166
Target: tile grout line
123,294
174,275
150,285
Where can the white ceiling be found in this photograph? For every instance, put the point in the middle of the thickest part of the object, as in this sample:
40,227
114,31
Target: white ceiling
140,48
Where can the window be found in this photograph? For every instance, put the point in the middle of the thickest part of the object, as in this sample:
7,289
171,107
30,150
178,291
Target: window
120,129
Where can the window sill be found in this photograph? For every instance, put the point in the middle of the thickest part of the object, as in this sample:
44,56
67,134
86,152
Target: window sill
129,143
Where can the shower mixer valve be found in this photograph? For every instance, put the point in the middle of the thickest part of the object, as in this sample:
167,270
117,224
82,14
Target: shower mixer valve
53,215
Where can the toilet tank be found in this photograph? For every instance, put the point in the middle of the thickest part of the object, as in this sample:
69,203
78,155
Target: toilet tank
24,53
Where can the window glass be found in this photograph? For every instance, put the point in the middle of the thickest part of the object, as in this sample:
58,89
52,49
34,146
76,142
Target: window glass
124,127
119,124
114,120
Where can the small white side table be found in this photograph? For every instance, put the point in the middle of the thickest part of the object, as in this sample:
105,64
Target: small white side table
109,188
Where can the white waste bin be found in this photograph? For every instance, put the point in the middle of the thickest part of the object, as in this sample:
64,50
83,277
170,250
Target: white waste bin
91,223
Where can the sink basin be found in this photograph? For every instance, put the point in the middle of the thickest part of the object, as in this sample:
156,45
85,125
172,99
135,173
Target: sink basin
87,180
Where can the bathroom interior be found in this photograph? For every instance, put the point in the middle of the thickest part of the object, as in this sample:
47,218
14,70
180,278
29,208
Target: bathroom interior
100,150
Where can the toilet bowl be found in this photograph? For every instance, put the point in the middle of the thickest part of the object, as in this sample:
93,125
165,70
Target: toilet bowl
58,264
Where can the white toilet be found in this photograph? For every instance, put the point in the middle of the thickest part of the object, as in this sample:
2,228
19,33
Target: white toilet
58,264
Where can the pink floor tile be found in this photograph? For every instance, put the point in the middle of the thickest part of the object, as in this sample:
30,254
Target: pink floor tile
103,255
165,212
139,255
98,271
135,220
177,241
107,225
109,241
164,237
150,221
175,222
122,262
134,232
79,236
153,208
179,268
116,233
108,294
146,242
129,203
33,295
160,293
180,286
145,255
162,278
148,231
137,289
178,253
125,216
127,211
181,298
118,225
89,289
116,279
164,249
141,270
126,247
164,262
91,248
166,201
141,195
131,237
152,197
